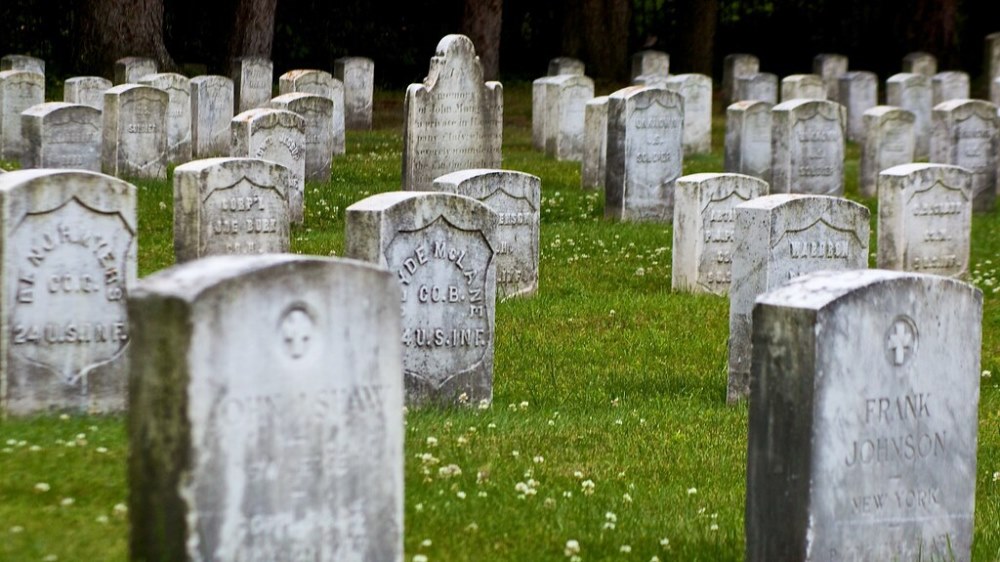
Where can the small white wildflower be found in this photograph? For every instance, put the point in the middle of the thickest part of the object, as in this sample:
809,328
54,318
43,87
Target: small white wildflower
16,529
64,417
619,421
713,527
419,558
484,404
515,453
549,503
50,558
523,405
587,487
568,494
102,519
462,440
539,459
102,450
577,474
426,543
639,272
996,476
572,547
610,516
460,494
432,442
665,542
987,374
692,491
482,493
612,312
120,509
34,448
625,548
552,422
66,502
42,487
419,507
471,527
163,206
627,498
448,471
463,398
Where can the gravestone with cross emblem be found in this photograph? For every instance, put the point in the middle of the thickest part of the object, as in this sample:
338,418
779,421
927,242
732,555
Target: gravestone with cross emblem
270,427
863,418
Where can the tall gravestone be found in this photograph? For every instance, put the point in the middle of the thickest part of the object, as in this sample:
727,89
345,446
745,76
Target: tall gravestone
645,153
595,143
565,65
441,249
696,89
358,76
19,90
858,93
515,197
890,140
925,219
129,70
212,108
762,86
734,67
135,132
323,84
863,419
991,60
965,133
995,92
61,135
566,98
920,63
230,206
830,67
540,112
950,85
779,238
803,86
453,120
86,90
650,63
913,93
318,117
22,62
748,139
276,135
703,237
252,83
67,264
808,147
178,89
271,428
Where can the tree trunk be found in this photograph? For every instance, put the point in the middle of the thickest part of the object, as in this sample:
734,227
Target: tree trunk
481,22
253,29
932,26
604,41
696,36
113,29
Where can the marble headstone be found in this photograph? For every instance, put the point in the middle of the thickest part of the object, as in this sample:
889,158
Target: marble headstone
803,86
135,132
212,108
565,65
995,92
129,70
539,112
19,90
86,90
991,61
913,92
762,86
566,98
696,89
889,141
830,67
276,135
22,62
748,139
858,93
965,134
650,63
595,143
950,85
734,67
357,74
62,135
317,82
807,146
318,115
920,63
178,89
252,83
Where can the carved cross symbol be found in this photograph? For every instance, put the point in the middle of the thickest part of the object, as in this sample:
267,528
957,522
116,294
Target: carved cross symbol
296,332
900,340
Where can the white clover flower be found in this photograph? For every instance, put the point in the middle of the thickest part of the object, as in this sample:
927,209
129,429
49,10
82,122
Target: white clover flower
639,272
587,487
471,527
463,398
460,494
491,426
419,558
120,509
577,474
42,487
66,502
16,529
448,471
665,542
626,498
462,440
610,516
484,404
692,491
568,494
102,519
426,543
549,503
713,527
538,459
625,548
515,453
987,374
432,442
572,547
996,476
419,507
523,405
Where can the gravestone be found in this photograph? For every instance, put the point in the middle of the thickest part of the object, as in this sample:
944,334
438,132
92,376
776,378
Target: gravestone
913,92
807,147
252,83
830,67
317,82
651,81
696,89
178,89
566,97
453,120
920,63
858,93
779,238
748,139
276,135
565,65
704,219
734,67
22,62
67,263
645,153
803,86
441,248
951,85
230,206
995,92
863,419
357,74
925,219
211,113
539,112
515,198
19,90
273,429
889,141
320,132
86,90
595,143
762,86
129,70
965,134
650,63
61,135
992,59
134,132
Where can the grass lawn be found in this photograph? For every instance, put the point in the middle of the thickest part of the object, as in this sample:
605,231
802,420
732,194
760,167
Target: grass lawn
609,425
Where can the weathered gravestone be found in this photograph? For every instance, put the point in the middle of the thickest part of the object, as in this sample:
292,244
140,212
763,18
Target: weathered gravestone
19,90
951,85
808,147
778,238
748,139
135,132
230,206
441,248
762,86
358,76
830,67
704,219
595,143
913,93
965,134
323,84
61,135
651,81
734,67
129,70
858,93
863,419
995,92
318,116
890,140
566,97
696,89
920,63
279,136
925,219
252,79
211,115
86,90
178,89
453,120
539,112
68,261
565,65
991,61
650,63
271,427
803,86
515,197
645,153
22,62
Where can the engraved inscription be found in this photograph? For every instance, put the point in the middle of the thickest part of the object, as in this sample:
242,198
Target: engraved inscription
296,329
718,219
244,218
817,152
817,247
653,156
937,230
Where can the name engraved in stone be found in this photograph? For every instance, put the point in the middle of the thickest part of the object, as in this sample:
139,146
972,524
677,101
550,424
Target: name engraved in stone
816,171
657,123
830,249
945,208
141,128
70,137
818,136
933,548
653,157
923,262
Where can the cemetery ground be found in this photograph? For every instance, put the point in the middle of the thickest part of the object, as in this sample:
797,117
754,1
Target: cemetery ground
608,438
